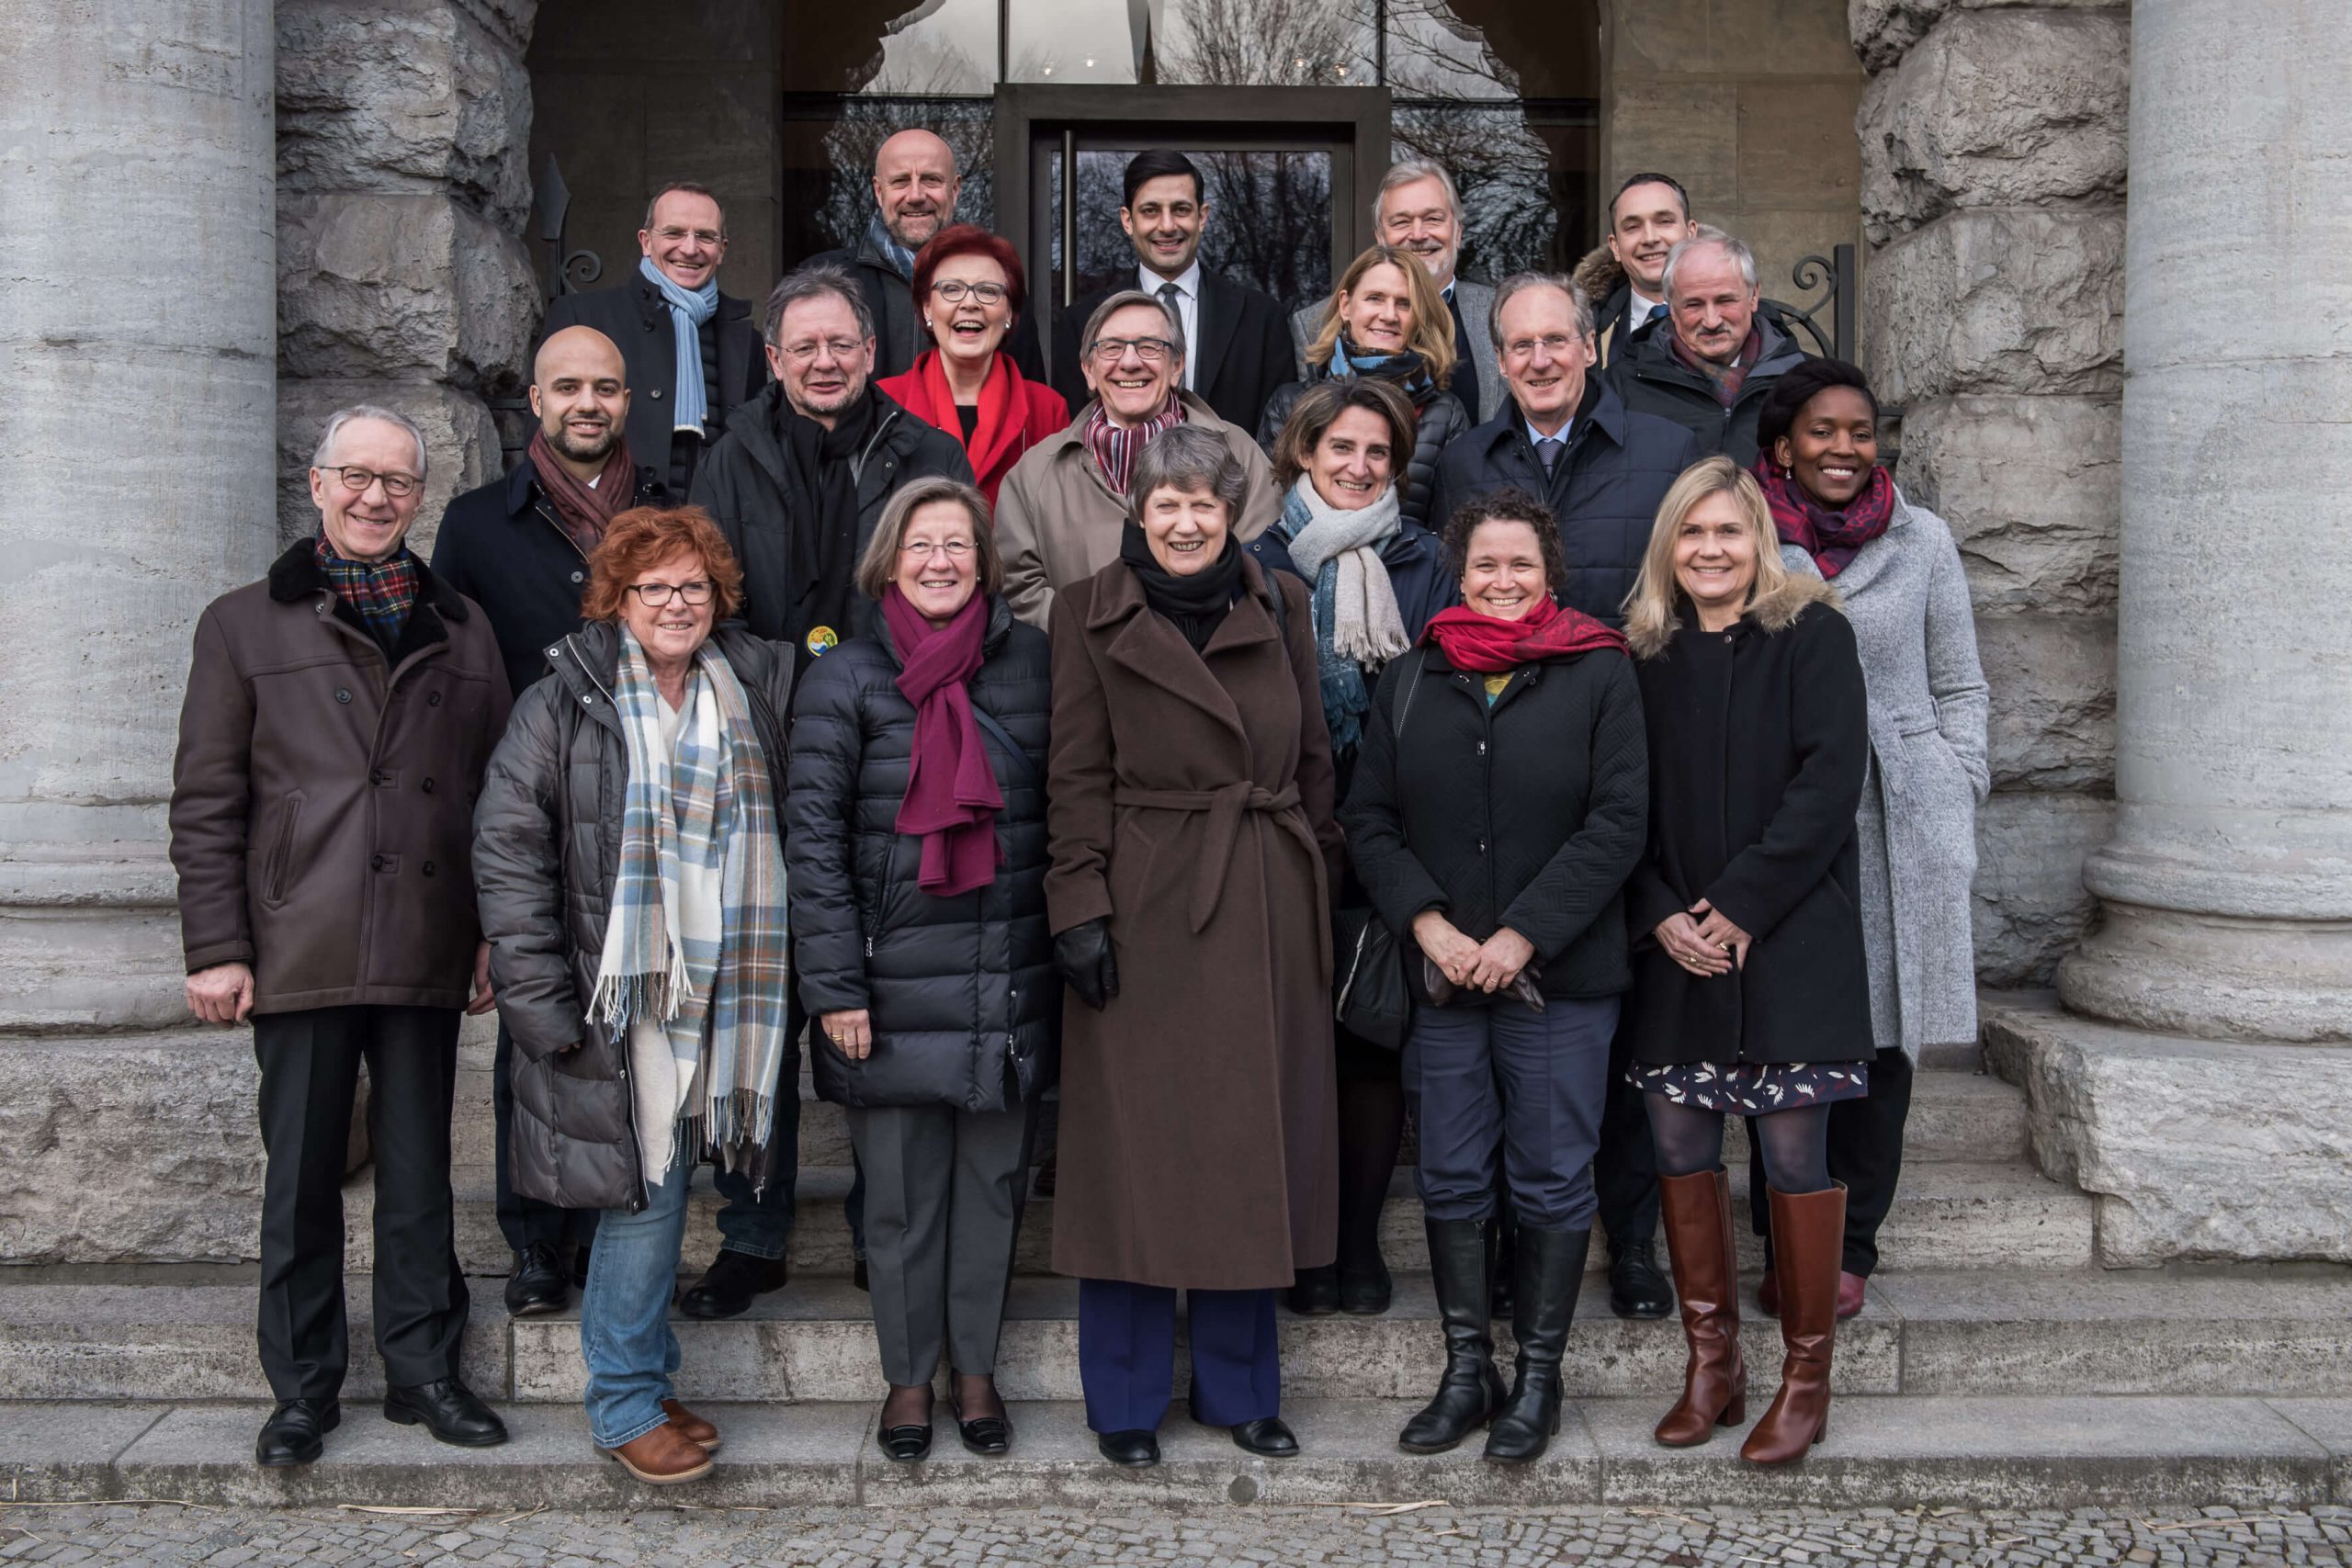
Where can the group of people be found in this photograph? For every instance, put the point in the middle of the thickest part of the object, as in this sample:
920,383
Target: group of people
1531,706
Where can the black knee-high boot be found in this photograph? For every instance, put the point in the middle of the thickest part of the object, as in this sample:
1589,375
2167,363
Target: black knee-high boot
1549,1270
1472,1390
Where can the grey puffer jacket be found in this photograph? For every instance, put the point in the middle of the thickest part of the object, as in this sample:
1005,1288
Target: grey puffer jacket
547,847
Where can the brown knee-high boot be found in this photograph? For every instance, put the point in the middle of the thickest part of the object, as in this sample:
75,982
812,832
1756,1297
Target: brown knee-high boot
1706,1280
1808,1239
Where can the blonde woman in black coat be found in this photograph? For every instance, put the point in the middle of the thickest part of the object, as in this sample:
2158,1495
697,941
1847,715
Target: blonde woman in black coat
1751,996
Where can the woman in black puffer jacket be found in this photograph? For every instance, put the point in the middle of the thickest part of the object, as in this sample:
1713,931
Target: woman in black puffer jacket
916,856
1387,319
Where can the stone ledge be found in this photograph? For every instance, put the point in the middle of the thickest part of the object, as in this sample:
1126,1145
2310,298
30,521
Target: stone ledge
2014,1452
2190,1148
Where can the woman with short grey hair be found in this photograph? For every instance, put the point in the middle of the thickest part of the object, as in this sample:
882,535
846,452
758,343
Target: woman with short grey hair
1192,830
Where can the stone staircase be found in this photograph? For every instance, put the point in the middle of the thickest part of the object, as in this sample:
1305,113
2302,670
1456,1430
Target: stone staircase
1993,1363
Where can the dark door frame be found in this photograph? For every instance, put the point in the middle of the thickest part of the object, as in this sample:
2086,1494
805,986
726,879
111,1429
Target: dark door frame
1036,120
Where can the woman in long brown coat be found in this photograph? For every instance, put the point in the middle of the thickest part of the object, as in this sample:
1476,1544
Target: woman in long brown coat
1191,835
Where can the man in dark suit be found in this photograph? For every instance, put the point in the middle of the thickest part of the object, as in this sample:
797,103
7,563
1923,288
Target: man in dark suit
915,190
1237,350
693,353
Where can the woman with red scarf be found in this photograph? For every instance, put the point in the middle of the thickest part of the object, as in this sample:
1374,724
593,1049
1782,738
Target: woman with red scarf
916,862
1497,807
1895,565
968,285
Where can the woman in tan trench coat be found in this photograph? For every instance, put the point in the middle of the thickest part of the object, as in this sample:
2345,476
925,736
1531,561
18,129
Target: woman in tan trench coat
1192,834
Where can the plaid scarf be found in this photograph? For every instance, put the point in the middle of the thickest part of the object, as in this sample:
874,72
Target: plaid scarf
382,592
1116,447
1727,379
1832,538
696,939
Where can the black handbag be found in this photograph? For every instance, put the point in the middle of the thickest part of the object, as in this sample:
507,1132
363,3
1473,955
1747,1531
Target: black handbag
1373,1004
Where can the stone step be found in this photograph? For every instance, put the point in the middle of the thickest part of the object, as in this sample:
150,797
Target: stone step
185,1336
2009,1453
1946,1216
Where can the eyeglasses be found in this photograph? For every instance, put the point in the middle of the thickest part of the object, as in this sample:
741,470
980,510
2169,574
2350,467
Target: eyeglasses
802,352
357,479
703,236
657,594
921,549
1555,345
1150,350
954,290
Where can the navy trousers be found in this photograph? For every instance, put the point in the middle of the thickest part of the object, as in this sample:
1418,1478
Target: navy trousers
1126,1354
1502,1085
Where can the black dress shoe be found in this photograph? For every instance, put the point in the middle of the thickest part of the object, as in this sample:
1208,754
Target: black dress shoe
728,1287
537,1287
296,1431
447,1409
1133,1451
1266,1436
1314,1292
983,1434
905,1444
1367,1293
1636,1288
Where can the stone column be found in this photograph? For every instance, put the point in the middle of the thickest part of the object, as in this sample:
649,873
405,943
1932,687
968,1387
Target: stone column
136,482
2227,888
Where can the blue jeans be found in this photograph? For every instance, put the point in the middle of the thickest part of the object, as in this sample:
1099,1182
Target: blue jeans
1502,1081
625,1334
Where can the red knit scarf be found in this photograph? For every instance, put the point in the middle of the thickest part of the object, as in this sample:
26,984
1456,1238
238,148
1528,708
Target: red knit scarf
1832,538
1116,448
952,796
1488,646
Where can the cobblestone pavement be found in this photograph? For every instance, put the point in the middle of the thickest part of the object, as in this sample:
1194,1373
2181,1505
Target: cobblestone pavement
167,1534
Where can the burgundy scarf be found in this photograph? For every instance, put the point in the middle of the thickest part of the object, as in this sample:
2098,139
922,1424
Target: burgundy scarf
585,509
1116,447
1831,538
1483,643
952,796
1727,379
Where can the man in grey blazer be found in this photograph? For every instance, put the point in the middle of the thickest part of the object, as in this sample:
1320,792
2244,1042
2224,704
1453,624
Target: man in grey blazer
1419,209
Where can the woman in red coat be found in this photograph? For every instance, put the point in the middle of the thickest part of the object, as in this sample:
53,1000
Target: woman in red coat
968,285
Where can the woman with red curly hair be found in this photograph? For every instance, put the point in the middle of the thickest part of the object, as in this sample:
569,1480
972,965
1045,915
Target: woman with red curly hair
629,866
969,288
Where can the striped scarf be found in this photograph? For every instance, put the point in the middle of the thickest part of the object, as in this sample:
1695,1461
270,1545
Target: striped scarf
382,592
697,938
1116,447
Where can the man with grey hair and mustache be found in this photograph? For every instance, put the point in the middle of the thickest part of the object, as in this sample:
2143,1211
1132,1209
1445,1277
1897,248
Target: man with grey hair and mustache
1709,365
339,718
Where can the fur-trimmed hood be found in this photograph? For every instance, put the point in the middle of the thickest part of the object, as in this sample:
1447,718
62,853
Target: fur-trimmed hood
1774,612
1599,275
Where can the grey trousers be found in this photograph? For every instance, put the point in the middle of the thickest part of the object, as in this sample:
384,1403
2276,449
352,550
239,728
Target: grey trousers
944,1189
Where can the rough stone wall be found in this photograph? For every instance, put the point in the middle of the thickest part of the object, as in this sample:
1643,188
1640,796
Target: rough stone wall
1993,172
403,191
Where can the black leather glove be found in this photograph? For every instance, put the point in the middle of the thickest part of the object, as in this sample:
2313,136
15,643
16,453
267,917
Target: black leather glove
1082,956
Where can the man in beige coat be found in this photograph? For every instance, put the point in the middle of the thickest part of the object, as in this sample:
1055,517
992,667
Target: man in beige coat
1059,514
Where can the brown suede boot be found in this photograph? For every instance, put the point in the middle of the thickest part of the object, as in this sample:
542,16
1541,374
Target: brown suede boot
662,1457
1808,1238
1706,1280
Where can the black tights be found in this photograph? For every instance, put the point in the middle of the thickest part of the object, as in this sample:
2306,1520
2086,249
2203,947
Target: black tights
1372,1124
1795,1142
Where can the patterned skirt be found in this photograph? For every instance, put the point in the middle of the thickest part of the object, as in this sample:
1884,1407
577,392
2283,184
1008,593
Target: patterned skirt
1754,1089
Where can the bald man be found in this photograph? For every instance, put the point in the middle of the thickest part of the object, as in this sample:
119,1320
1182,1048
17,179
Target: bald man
694,353
518,547
915,189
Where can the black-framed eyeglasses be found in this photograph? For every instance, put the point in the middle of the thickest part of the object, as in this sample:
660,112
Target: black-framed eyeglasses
357,479
657,594
1150,350
952,290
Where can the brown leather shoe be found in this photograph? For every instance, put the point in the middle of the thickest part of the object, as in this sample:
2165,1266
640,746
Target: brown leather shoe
1706,1282
691,1427
1808,1234
662,1457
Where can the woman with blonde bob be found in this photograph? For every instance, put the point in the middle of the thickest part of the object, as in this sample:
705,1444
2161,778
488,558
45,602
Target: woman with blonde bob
1385,321
1751,996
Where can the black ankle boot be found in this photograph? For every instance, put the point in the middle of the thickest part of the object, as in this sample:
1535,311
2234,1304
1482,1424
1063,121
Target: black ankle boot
1471,1390
1550,1265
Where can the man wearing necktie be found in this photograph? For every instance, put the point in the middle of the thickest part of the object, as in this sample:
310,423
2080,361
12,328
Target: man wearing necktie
1625,277
691,354
1235,354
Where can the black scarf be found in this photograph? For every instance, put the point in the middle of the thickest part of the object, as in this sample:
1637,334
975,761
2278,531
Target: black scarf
821,502
1195,605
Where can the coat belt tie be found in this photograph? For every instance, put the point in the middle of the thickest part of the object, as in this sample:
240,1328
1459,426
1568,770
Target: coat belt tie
1224,807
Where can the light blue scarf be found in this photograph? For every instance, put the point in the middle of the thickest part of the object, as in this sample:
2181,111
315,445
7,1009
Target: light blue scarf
878,236
689,309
